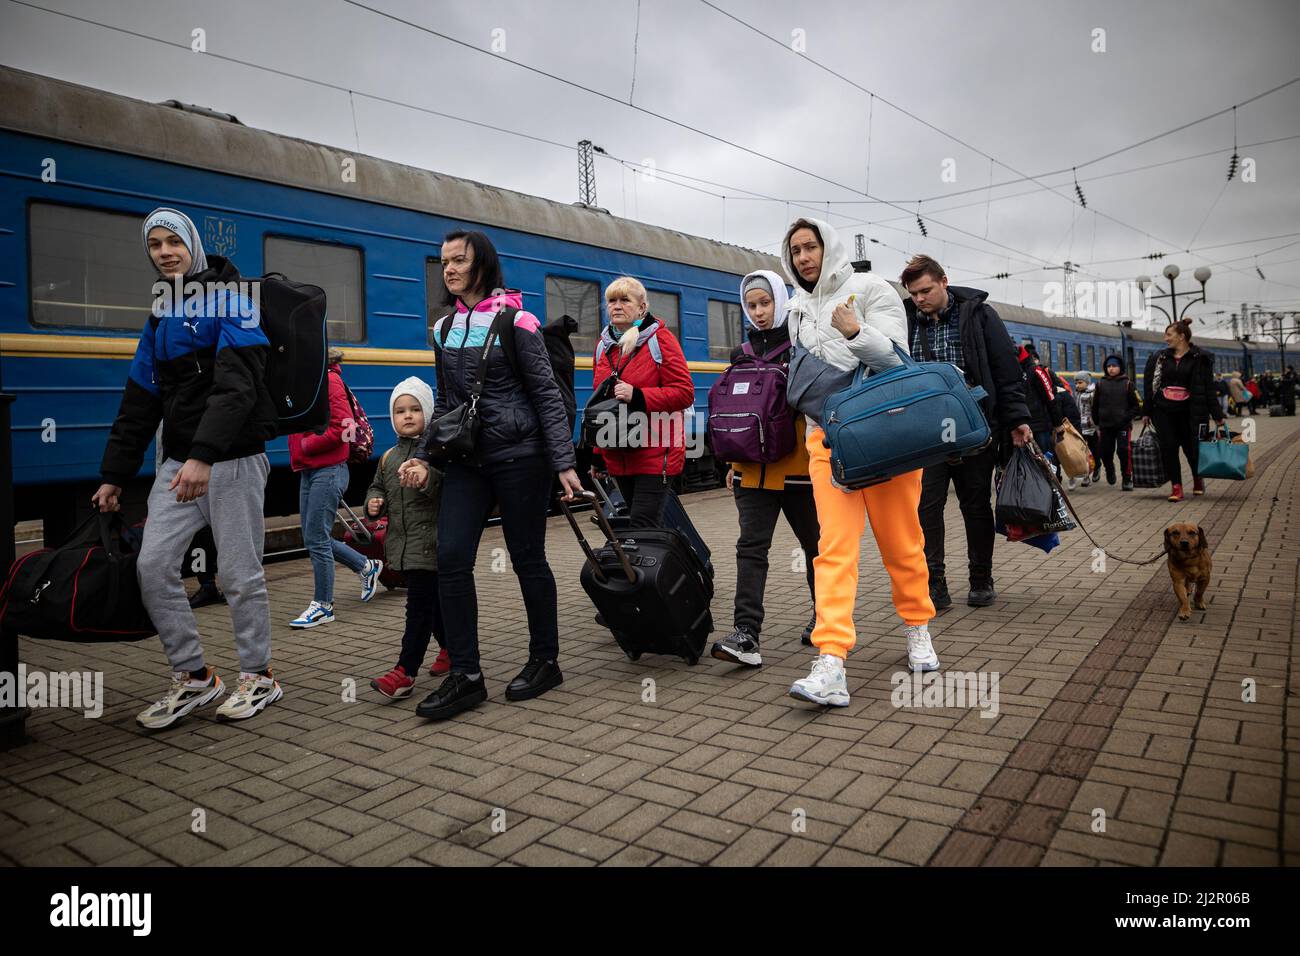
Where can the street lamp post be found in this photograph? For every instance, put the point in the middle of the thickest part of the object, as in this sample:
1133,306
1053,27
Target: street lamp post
1280,335
1171,273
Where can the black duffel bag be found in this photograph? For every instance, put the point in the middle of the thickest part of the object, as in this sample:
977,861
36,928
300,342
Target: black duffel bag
85,590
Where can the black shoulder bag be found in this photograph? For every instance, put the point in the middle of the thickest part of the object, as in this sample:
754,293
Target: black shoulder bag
453,436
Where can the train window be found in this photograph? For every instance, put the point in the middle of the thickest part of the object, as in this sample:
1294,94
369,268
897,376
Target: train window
336,269
666,306
1062,354
1045,351
726,329
88,269
433,309
581,300
1078,357
1092,358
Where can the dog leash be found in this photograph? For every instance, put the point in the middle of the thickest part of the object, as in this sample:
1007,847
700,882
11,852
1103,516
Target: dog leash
1038,456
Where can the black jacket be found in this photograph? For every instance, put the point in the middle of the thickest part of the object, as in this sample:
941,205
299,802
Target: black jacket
988,358
1045,409
1198,378
1115,403
522,414
202,377
763,341
1069,407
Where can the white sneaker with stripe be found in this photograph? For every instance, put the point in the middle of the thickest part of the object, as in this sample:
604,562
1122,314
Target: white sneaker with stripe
186,695
254,692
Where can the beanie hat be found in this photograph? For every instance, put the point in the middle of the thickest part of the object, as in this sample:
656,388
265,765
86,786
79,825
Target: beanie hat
419,390
184,227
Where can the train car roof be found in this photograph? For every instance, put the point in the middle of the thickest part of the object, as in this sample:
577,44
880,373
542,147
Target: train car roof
202,138
56,109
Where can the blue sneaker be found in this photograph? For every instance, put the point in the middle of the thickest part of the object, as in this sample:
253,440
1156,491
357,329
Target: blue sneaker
370,579
316,613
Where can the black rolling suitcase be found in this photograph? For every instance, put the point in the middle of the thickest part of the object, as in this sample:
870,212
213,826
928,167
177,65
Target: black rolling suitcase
650,587
674,516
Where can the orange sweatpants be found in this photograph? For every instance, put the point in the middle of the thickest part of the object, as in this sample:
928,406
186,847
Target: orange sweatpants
891,508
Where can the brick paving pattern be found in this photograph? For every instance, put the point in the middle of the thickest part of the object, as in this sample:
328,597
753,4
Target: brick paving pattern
1111,713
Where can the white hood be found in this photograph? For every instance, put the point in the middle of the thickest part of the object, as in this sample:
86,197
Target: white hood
879,309
780,297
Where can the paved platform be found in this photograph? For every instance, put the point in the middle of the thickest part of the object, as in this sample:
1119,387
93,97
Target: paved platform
1110,712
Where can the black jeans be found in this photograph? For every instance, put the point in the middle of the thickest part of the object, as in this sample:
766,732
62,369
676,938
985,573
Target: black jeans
521,488
645,496
1115,440
973,479
758,509
423,617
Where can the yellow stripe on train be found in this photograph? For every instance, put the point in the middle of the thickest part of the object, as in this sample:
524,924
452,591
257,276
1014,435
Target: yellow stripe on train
105,347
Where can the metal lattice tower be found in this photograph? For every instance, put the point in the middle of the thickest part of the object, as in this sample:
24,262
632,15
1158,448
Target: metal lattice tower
859,246
586,174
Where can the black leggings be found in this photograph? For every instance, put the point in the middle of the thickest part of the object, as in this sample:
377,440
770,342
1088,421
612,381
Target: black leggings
423,617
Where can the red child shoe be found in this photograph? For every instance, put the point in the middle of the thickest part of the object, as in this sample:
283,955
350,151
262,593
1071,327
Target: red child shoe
395,684
1198,486
441,664
1177,494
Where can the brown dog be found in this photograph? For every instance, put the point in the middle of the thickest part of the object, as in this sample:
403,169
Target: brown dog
1189,564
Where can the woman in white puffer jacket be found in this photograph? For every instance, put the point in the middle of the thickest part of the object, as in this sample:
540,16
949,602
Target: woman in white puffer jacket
849,319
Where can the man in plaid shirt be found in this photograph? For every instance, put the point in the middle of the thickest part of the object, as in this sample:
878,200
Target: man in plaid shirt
954,324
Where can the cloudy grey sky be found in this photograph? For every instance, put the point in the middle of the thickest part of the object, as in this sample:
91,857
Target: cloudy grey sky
1015,80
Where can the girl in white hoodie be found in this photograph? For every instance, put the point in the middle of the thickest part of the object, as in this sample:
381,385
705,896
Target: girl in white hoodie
766,491
849,319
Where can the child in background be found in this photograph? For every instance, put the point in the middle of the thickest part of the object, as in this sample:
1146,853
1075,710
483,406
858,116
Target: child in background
411,544
1084,390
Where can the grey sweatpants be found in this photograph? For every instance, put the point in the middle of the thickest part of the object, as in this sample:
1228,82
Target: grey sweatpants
232,507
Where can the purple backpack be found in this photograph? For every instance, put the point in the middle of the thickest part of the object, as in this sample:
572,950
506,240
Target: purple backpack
749,417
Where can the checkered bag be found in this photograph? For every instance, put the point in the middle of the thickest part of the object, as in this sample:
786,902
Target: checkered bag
1148,465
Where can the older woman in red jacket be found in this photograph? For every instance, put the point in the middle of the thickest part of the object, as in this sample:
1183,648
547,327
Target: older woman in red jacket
654,382
321,460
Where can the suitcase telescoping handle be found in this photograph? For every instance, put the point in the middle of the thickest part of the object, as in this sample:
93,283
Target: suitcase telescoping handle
358,528
609,535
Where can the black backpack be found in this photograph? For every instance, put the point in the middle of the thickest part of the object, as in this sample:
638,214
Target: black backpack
555,336
85,590
293,320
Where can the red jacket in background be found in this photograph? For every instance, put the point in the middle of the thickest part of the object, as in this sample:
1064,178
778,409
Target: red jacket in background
309,450
666,389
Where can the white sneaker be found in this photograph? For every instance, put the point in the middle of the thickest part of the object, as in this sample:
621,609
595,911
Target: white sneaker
825,684
254,692
186,694
370,578
1071,483
920,652
316,613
